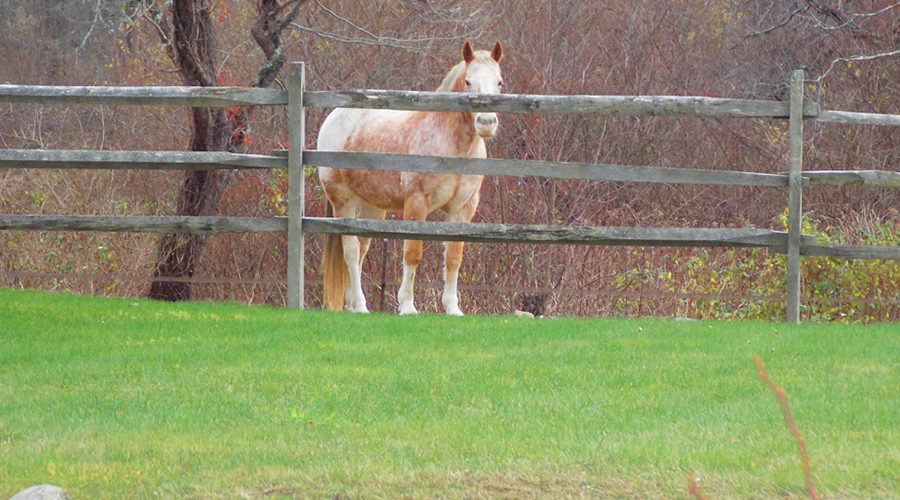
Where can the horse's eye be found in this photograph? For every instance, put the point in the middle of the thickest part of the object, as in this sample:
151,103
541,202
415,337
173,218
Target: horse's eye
468,83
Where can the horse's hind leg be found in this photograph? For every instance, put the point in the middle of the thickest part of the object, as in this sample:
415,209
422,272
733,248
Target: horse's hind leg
353,294
367,212
354,298
355,249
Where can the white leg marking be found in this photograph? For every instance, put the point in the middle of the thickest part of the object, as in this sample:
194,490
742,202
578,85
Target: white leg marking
450,298
355,299
405,295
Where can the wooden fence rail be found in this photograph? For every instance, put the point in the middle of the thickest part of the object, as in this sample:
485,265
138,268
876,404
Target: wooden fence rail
536,168
142,96
210,160
297,99
400,229
128,160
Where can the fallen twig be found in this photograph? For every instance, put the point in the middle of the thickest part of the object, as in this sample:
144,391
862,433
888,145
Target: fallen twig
779,393
693,489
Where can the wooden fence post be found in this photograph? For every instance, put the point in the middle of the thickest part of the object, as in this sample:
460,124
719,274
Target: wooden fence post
795,198
296,182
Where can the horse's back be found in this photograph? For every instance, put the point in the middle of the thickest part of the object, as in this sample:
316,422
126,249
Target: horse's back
338,127
351,129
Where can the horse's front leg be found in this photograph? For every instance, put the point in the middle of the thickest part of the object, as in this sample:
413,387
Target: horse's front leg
453,251
412,254
414,208
452,260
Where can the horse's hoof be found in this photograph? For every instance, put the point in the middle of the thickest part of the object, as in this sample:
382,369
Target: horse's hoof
408,309
454,311
451,306
359,307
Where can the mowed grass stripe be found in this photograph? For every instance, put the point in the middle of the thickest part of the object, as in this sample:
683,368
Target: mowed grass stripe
128,398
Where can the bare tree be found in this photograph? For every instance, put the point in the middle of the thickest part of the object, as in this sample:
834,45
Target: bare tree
187,31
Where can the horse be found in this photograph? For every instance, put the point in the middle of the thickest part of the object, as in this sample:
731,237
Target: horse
370,193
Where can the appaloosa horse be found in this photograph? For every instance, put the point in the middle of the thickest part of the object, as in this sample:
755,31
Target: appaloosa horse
370,193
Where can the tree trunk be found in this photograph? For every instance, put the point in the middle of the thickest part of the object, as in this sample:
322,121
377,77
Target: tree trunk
190,42
193,40
199,195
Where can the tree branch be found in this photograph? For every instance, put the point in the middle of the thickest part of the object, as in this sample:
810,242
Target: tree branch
266,31
836,14
152,14
856,58
779,24
852,19
97,15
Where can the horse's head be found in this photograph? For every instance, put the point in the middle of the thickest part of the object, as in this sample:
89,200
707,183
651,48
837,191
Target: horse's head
482,76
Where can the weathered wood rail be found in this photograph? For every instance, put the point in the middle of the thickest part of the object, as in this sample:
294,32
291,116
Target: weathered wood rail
441,231
297,99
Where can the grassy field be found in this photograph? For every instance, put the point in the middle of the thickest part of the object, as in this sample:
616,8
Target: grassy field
117,398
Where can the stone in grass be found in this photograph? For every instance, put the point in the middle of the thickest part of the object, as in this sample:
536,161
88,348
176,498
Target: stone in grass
41,492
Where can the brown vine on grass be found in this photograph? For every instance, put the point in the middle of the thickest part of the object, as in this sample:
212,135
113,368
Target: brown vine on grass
693,489
789,420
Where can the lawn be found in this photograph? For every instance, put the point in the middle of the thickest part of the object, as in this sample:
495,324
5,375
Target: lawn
120,398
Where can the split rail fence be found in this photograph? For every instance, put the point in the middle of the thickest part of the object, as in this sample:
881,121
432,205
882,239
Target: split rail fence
297,99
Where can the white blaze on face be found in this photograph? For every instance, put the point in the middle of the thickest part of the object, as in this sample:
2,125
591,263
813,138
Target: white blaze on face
484,78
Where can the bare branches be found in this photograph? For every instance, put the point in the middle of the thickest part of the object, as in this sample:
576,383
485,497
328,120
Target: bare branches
97,15
844,20
354,33
818,35
779,24
273,18
157,16
855,58
855,17
830,12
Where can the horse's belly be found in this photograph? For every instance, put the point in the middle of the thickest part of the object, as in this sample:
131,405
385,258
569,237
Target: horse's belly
376,187
388,190
447,192
467,187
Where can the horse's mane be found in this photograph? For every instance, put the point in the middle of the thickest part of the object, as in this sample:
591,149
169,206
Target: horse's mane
455,72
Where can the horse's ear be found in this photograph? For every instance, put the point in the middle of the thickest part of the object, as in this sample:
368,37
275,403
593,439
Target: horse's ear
497,51
468,53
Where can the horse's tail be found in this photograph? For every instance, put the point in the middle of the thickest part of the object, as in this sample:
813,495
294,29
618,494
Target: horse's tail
334,270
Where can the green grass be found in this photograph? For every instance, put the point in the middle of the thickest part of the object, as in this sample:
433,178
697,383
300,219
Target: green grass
117,398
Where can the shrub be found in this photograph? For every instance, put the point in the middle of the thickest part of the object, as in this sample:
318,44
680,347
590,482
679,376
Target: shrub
749,284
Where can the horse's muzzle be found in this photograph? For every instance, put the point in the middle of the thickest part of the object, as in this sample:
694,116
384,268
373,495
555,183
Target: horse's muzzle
486,124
